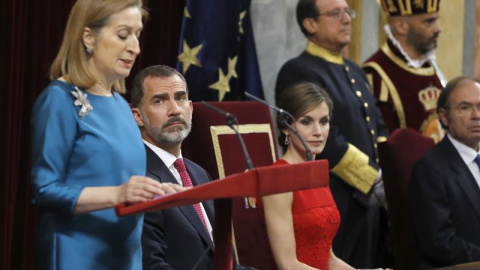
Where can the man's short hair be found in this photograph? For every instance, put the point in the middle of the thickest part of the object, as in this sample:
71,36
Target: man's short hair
306,9
157,71
443,100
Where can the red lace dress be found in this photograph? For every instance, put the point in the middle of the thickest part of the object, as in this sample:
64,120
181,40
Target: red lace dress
315,221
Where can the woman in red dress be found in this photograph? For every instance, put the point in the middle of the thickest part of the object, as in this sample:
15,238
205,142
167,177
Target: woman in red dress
301,225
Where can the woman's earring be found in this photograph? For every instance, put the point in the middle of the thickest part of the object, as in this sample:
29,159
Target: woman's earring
287,141
89,50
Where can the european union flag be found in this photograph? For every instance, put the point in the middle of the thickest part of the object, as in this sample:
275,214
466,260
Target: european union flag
217,52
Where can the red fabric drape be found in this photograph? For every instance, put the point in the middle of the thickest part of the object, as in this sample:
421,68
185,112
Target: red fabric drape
31,35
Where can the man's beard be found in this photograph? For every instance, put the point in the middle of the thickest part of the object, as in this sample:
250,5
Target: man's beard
175,136
422,45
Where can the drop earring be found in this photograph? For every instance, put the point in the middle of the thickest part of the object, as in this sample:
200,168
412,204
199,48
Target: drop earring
287,140
89,50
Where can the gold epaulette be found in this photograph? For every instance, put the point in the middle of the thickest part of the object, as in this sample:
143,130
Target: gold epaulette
354,168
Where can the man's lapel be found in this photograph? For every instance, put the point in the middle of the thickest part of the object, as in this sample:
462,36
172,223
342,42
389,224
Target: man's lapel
156,167
464,177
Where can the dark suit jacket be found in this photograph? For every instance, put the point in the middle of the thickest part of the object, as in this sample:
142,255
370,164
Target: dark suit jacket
444,203
175,238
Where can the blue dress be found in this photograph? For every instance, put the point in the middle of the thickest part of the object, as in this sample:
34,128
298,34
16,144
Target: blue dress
70,153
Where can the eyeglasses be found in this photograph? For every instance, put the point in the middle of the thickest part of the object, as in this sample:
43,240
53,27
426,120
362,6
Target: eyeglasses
338,13
466,108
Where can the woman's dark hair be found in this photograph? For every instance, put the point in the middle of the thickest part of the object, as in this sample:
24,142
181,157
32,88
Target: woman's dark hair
299,99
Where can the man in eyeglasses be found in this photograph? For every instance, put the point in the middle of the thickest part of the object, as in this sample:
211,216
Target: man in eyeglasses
444,191
403,74
356,127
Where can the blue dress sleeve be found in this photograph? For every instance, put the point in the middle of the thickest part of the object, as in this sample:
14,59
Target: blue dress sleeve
54,132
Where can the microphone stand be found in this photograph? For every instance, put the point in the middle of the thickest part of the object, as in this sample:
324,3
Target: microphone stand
231,122
284,116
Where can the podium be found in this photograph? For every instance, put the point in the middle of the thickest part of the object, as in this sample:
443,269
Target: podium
258,182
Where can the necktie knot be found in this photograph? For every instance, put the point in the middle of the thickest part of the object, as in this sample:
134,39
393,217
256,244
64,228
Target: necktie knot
179,165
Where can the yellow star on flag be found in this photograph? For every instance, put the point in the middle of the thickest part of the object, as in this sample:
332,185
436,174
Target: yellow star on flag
240,27
186,14
222,85
189,56
232,63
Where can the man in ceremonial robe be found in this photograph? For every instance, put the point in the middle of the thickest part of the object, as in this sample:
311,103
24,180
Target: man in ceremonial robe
403,74
356,127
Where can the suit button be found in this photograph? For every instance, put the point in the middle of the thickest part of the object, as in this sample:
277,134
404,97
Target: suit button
367,118
359,94
347,69
365,105
352,81
372,132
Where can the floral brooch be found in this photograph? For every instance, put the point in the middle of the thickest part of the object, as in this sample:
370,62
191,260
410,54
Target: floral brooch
81,100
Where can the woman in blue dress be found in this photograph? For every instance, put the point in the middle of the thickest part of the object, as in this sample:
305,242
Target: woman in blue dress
87,150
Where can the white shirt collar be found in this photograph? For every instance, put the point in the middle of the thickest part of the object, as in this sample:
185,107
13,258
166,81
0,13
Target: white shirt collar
430,56
467,153
165,156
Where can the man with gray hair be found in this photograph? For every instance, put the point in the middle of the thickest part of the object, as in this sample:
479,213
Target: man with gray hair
444,191
178,237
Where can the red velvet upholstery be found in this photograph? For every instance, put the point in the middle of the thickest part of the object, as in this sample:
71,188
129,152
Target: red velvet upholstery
250,238
397,157
198,146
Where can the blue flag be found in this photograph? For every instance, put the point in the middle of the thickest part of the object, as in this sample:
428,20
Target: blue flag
217,52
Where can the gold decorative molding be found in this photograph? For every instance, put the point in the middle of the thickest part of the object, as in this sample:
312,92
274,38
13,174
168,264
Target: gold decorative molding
216,131
392,90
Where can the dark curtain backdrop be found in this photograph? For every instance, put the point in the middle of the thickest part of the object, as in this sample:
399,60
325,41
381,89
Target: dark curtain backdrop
31,32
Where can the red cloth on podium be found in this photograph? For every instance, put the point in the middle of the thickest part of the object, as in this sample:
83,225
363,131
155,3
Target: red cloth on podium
258,182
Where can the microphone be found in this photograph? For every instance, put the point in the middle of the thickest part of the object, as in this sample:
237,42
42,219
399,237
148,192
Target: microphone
231,121
284,116
281,112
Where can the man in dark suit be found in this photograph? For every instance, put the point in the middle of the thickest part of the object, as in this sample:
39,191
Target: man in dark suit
444,192
179,237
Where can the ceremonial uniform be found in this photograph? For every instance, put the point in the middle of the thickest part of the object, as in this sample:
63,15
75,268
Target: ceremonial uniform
407,89
407,96
356,127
